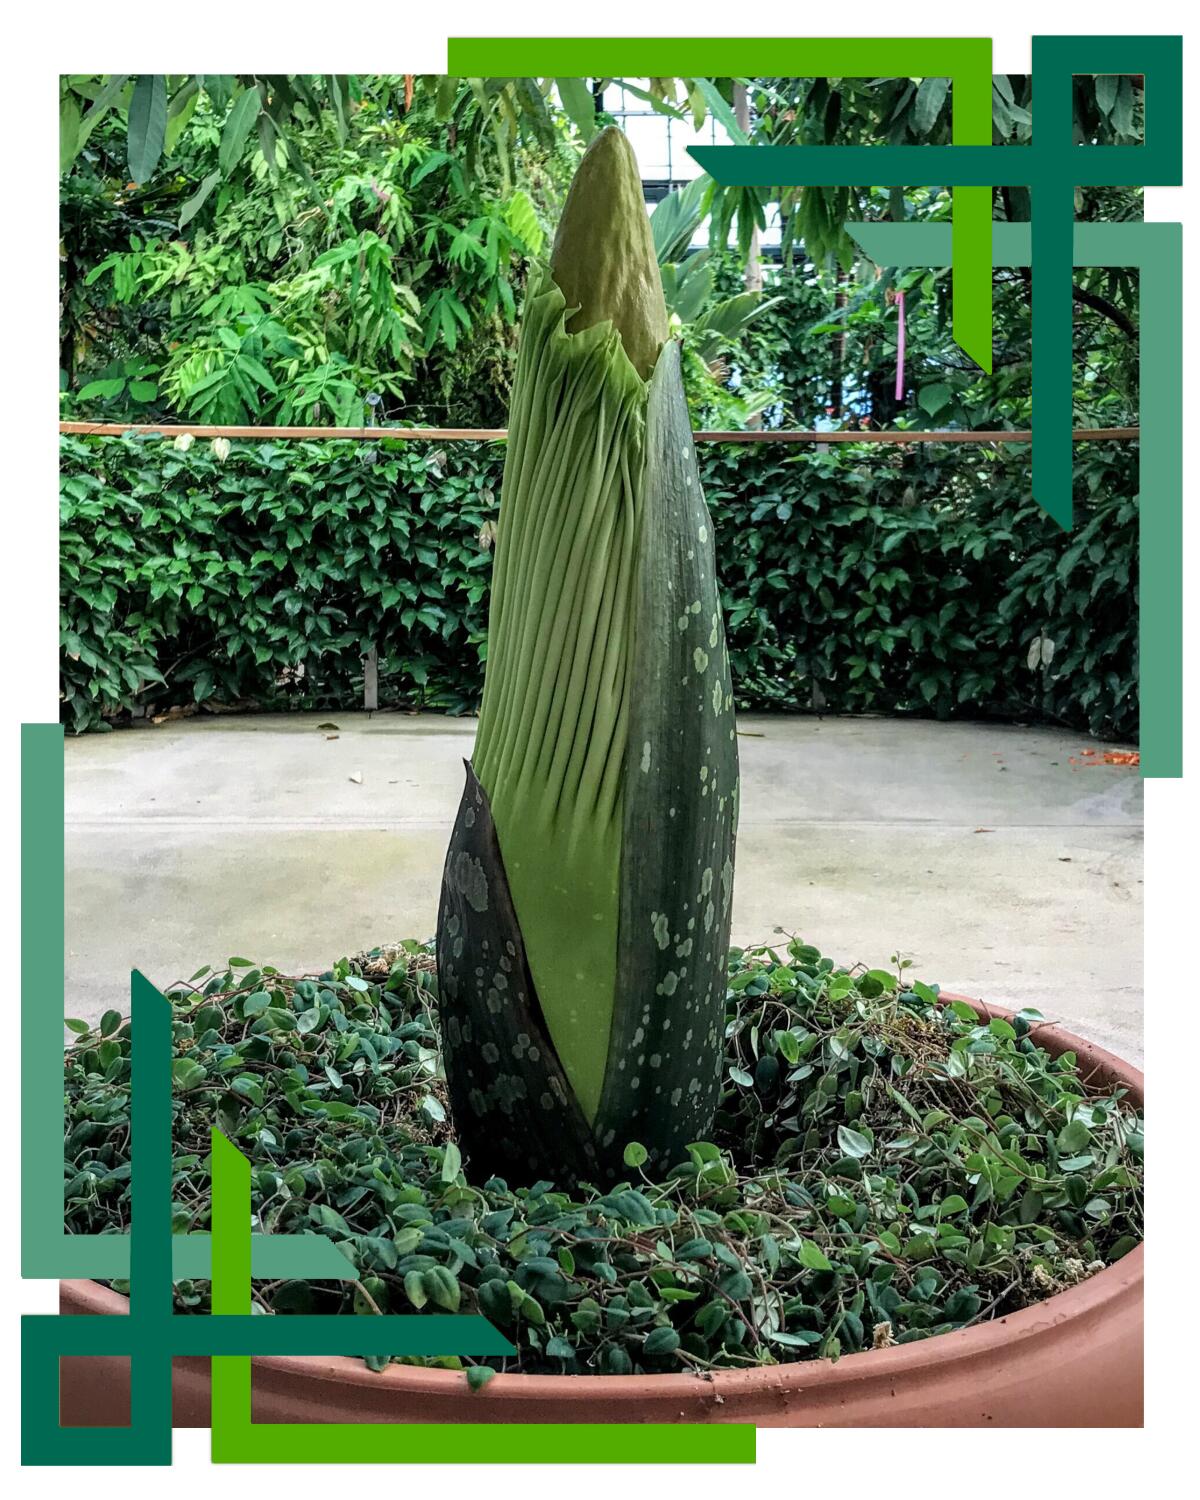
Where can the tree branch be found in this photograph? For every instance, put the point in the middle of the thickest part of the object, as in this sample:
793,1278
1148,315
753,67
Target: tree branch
1097,303
1106,309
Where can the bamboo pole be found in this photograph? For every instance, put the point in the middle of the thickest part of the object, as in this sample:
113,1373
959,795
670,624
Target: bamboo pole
494,434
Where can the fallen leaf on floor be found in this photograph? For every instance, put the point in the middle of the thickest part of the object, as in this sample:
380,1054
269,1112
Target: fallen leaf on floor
327,726
356,777
985,830
1107,758
333,736
752,734
177,711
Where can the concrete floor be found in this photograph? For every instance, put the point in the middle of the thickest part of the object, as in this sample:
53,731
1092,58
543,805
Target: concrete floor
979,851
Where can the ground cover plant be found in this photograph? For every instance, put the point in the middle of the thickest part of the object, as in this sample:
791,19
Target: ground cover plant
883,1168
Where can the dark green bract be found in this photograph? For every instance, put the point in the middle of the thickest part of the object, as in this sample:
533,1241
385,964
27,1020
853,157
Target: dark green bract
883,1168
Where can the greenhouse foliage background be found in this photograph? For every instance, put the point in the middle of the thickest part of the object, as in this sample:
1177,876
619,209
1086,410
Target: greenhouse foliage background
338,251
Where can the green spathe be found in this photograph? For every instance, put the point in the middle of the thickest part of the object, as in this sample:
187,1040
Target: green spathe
553,726
605,760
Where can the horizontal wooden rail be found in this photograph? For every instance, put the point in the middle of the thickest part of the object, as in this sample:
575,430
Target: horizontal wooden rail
492,434
177,429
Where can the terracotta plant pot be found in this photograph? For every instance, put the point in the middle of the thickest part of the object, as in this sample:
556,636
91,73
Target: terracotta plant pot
1074,1360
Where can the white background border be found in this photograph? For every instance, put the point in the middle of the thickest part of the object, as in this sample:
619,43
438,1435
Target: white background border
65,37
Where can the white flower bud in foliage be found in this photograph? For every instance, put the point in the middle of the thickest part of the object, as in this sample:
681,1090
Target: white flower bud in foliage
586,899
220,449
183,442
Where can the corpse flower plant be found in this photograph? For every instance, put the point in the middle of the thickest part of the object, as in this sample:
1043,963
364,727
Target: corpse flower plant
585,903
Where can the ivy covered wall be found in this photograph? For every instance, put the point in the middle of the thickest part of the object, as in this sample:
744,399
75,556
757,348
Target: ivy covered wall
856,578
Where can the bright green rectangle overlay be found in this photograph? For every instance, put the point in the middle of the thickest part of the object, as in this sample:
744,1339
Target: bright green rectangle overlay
153,1333
238,1439
966,61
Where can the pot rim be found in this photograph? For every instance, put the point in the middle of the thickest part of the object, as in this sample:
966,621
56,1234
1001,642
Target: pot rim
1092,1300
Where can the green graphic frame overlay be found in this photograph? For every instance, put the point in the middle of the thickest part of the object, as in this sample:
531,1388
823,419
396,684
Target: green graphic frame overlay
237,1439
47,1251
1051,166
1156,252
153,1333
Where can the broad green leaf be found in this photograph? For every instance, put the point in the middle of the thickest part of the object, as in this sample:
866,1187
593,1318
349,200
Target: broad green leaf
813,1256
660,1342
187,1074
179,113
722,111
69,121
442,1288
147,126
236,130
934,397
336,90
1106,92
578,102
268,140
1122,111
675,219
101,104
219,87
97,390
931,95
249,1087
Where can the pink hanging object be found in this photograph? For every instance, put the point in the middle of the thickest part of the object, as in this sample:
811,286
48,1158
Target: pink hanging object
900,347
